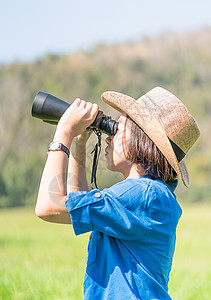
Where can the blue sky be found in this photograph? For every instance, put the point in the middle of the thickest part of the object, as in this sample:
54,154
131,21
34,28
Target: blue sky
30,29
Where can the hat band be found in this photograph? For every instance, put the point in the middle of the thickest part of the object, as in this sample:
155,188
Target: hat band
177,150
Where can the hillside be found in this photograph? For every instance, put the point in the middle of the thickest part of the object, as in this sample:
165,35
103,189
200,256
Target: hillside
179,62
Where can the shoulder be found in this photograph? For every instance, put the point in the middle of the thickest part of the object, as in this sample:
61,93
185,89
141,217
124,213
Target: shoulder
132,193
129,185
142,185
143,191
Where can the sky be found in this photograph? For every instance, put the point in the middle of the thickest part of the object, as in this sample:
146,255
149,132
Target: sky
31,29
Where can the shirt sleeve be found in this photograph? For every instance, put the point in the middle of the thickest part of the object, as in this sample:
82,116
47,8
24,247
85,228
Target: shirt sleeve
104,212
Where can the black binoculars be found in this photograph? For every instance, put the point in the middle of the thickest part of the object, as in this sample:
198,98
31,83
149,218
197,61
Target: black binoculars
50,109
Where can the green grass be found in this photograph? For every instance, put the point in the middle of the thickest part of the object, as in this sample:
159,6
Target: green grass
191,273
39,260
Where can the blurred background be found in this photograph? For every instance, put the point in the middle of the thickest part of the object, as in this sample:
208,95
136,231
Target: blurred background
81,49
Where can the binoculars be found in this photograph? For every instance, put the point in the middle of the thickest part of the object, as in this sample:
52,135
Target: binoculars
50,109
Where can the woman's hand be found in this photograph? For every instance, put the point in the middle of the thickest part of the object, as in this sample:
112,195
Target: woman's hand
74,122
81,139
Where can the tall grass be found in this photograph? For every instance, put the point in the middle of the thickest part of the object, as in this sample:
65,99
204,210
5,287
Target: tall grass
39,260
191,272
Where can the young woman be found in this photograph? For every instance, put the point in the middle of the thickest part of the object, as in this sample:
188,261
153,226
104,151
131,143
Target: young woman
133,223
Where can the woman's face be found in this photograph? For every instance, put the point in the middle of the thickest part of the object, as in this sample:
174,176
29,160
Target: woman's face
114,153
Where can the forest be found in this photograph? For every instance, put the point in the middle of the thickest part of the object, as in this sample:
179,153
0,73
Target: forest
181,63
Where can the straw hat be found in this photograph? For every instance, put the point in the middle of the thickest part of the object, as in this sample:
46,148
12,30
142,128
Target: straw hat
165,119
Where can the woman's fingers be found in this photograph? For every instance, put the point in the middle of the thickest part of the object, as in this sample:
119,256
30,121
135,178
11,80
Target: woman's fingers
89,106
94,110
78,117
83,104
77,102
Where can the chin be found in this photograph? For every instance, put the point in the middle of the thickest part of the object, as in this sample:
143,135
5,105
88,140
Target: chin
110,166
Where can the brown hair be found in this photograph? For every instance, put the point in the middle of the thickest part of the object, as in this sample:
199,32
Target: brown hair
140,149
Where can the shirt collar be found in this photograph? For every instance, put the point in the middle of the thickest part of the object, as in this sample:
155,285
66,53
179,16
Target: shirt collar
171,185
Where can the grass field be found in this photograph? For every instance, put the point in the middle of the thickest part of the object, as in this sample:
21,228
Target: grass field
39,260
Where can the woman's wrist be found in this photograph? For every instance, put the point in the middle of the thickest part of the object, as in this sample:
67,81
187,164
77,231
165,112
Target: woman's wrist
63,137
81,140
79,144
77,148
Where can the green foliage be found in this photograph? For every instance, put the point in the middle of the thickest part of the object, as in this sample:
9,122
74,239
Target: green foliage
20,180
177,62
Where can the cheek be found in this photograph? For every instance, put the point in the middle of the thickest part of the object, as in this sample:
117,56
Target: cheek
118,146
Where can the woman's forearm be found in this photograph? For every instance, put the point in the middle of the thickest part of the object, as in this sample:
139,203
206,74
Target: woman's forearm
53,189
76,177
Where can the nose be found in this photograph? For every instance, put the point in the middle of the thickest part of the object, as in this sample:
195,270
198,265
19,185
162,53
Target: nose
109,139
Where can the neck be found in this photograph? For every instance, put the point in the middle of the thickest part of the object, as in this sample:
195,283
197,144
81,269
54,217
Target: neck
134,171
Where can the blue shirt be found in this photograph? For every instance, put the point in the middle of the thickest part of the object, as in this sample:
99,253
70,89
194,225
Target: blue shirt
133,226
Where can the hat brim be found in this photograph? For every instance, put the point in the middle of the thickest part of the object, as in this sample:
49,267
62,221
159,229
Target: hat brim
150,125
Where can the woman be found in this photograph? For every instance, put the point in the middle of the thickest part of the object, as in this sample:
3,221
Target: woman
134,222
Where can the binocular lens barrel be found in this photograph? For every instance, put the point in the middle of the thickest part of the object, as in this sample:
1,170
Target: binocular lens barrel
50,109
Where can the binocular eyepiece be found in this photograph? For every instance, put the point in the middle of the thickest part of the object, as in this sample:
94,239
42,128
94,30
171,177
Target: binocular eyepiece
50,109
